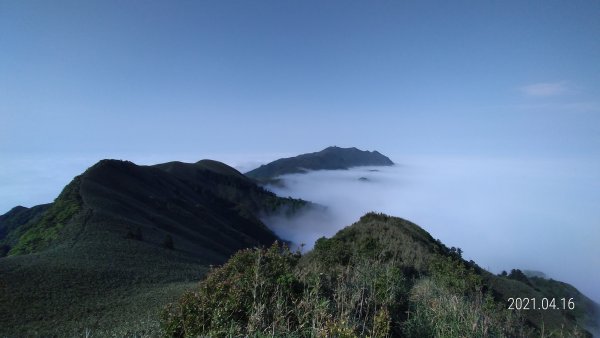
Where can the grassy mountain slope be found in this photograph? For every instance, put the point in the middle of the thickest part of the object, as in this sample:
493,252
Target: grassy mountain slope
121,241
12,225
230,184
38,234
158,203
381,277
328,158
586,312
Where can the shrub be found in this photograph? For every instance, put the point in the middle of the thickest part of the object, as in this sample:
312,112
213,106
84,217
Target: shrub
168,242
437,311
4,249
368,281
137,235
251,294
452,273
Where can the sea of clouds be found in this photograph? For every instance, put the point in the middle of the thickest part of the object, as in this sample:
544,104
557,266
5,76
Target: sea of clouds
539,215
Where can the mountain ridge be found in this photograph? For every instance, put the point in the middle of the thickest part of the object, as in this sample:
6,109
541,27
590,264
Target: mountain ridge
122,240
330,158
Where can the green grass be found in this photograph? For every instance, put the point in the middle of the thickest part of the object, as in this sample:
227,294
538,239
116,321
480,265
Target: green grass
57,293
122,241
381,277
41,233
15,222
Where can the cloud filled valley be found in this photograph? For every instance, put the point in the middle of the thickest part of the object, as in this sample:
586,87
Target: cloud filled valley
503,213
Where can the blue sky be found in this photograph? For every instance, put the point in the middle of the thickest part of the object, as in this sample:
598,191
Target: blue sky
243,81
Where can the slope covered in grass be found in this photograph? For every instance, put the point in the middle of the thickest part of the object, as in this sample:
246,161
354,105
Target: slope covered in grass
381,277
123,240
14,224
38,234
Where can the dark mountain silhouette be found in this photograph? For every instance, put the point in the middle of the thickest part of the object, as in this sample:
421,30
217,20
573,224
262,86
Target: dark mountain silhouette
208,207
119,233
330,158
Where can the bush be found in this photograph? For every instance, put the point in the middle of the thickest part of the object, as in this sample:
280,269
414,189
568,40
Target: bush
436,311
168,242
137,235
370,280
262,292
452,273
251,294
4,249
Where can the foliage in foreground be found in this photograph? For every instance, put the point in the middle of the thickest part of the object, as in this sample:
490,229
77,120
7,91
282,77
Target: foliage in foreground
263,292
361,283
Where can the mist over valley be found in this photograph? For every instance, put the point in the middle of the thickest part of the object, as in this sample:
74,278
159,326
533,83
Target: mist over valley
504,213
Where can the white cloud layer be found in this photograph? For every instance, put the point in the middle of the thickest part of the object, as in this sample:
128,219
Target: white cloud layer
504,214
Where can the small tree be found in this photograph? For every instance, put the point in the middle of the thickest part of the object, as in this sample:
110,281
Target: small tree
4,249
137,235
168,242
517,274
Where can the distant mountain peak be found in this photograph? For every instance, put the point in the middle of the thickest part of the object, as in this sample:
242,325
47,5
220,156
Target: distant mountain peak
330,158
